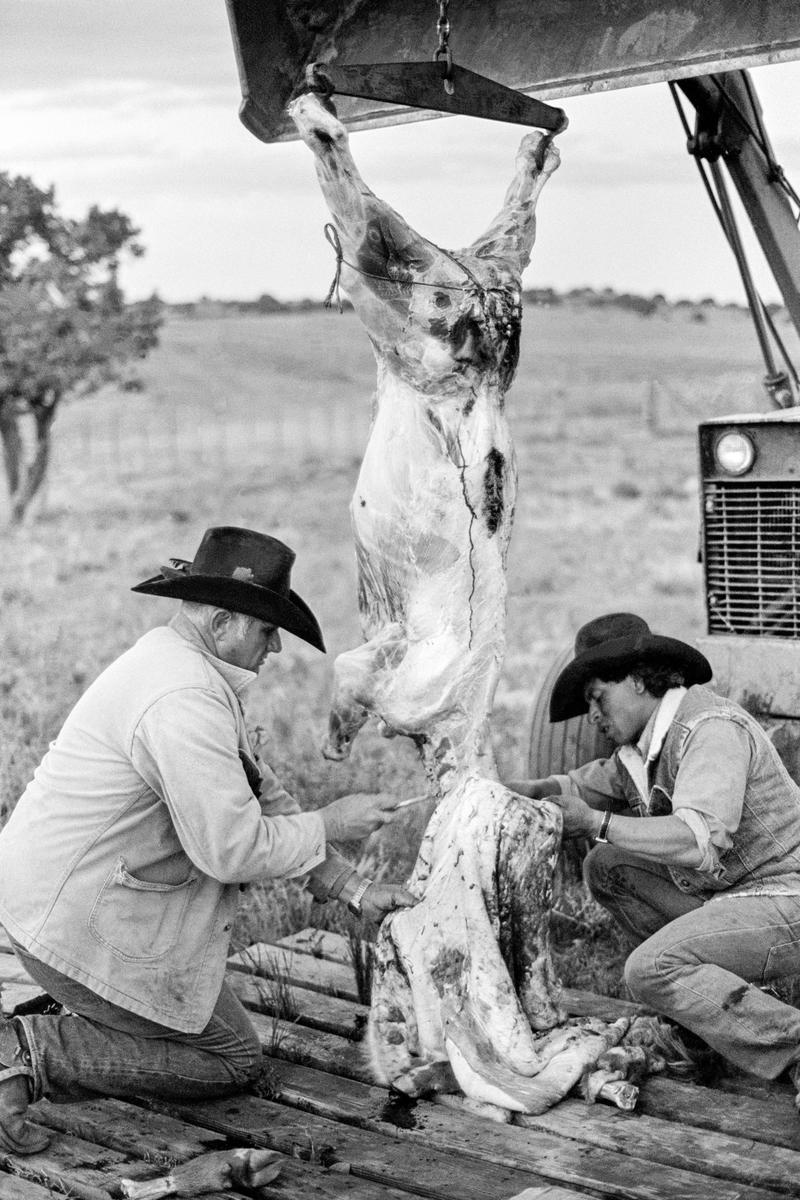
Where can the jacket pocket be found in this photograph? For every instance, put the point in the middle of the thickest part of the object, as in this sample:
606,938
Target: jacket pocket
136,919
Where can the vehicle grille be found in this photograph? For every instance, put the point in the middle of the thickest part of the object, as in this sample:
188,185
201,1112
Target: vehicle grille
751,550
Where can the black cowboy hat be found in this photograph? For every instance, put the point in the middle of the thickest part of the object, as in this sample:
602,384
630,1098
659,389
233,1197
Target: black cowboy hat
613,641
243,571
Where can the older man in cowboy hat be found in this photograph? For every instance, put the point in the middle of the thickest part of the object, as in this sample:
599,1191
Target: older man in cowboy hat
121,865
708,885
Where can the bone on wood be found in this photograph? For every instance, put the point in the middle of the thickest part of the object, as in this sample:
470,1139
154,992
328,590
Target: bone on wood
213,1172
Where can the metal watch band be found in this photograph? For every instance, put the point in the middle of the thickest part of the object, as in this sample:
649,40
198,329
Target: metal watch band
602,833
354,903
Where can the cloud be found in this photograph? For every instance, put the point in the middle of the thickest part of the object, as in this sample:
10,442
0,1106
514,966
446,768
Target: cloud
135,107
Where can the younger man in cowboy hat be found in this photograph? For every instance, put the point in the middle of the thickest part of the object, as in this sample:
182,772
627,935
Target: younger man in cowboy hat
120,867
708,885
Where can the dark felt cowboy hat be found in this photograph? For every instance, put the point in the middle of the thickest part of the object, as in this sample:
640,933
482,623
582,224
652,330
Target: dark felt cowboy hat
613,641
243,571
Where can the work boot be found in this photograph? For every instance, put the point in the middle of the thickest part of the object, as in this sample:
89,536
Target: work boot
17,1135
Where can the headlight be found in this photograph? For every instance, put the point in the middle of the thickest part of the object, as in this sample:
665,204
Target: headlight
735,453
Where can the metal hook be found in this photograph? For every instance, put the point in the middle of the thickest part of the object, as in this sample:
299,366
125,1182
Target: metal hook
445,54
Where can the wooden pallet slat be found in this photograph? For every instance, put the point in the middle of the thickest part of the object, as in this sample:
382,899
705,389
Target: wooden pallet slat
326,1051
303,970
21,997
723,1156
560,1160
659,1140
319,943
299,1180
12,971
328,948
75,1167
340,1056
18,992
378,1157
12,1187
118,1125
770,1119
344,1137
314,1009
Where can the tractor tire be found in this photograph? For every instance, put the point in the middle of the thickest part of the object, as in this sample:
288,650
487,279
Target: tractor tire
557,748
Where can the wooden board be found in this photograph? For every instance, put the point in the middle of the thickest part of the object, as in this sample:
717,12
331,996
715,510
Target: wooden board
18,992
344,1137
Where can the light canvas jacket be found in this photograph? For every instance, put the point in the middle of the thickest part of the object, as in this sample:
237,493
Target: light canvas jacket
121,864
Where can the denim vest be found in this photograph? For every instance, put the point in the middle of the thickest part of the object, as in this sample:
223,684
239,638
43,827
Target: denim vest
765,854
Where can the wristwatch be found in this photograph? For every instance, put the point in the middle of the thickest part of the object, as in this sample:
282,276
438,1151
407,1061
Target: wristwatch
354,903
602,833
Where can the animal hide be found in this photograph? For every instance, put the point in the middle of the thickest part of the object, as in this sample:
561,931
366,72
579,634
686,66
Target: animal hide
464,993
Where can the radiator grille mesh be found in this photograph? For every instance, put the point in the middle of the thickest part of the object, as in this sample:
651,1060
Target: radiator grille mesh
752,547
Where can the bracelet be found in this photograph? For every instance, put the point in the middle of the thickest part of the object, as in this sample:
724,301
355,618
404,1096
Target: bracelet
354,903
602,833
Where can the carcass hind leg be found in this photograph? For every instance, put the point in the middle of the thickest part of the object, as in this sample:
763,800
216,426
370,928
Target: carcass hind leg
344,722
529,842
392,1040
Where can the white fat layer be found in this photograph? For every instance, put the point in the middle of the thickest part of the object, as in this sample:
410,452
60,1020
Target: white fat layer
466,974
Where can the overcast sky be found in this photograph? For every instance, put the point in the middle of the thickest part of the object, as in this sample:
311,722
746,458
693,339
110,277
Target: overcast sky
133,104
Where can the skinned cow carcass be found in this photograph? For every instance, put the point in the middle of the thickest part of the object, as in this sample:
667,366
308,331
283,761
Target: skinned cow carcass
464,993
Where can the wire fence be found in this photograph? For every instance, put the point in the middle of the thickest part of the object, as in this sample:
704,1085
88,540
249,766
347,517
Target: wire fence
122,440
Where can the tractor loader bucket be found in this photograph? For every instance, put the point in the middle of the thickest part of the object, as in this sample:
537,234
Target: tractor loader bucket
548,48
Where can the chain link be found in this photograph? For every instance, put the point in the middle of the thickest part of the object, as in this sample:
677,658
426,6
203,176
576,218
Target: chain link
443,30
443,49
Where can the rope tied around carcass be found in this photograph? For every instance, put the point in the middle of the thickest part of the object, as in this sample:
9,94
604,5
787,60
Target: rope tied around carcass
472,288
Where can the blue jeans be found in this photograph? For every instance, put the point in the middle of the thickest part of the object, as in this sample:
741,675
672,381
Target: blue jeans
703,964
96,1047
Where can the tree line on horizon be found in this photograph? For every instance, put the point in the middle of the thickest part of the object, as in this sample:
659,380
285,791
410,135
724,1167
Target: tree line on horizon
548,297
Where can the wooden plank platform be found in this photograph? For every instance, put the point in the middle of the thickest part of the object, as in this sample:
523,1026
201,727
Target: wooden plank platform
343,1137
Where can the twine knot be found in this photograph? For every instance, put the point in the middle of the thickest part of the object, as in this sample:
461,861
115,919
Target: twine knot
332,237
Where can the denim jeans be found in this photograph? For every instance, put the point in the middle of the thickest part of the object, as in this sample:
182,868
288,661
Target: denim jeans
96,1047
703,965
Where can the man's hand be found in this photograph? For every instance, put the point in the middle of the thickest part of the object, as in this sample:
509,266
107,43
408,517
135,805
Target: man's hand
536,789
353,817
579,819
382,898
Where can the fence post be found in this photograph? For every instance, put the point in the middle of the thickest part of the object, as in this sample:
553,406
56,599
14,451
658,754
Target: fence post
86,430
222,413
173,441
651,407
116,440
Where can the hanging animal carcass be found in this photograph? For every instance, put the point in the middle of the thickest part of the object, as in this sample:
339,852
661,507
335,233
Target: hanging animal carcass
463,984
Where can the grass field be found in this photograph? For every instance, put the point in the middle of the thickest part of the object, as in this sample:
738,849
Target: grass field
261,421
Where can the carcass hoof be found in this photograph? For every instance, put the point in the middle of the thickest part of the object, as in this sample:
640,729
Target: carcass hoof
430,1079
316,119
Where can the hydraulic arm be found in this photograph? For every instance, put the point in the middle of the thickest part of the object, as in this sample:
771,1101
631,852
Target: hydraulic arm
729,129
